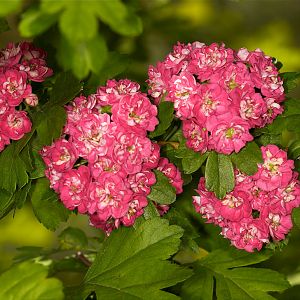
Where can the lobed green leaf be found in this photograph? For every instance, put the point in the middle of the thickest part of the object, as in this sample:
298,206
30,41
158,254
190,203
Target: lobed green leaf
132,263
231,281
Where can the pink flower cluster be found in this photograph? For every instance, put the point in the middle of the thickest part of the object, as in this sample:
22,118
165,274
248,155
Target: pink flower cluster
102,165
218,93
259,208
19,64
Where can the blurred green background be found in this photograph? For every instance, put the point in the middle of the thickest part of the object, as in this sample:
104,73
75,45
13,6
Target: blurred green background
271,25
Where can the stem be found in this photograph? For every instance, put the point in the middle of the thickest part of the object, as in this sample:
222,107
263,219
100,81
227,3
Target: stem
173,144
83,259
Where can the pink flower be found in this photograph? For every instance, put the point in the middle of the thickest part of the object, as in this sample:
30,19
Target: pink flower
182,89
170,171
90,136
248,234
73,187
115,90
107,226
15,124
36,69
276,171
252,107
228,135
13,86
287,197
210,100
273,110
206,203
135,112
135,209
178,58
78,108
279,225
234,206
60,156
130,150
232,76
162,208
151,161
32,100
207,59
10,56
4,140
105,164
54,177
141,182
29,51
158,81
109,197
196,135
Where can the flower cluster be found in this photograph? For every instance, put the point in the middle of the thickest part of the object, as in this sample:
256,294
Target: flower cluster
19,65
102,165
259,208
218,93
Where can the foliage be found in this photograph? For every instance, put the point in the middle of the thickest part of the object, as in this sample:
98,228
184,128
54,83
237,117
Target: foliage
157,258
29,280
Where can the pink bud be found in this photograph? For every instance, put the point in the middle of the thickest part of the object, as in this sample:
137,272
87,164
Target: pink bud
32,100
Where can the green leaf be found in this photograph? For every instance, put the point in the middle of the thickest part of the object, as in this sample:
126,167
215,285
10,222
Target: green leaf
52,7
83,57
248,158
26,158
78,22
46,206
176,216
38,165
133,263
200,286
65,88
233,282
118,16
115,64
73,238
35,22
289,80
162,191
6,202
294,150
13,170
50,123
20,195
28,280
150,211
219,175
296,216
3,25
193,161
289,120
165,117
9,6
